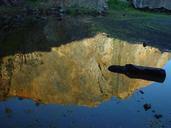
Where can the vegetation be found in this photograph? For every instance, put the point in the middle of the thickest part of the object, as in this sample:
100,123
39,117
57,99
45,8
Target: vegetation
118,5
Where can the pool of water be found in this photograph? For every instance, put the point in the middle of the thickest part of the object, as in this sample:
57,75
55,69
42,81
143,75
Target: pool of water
127,113
48,84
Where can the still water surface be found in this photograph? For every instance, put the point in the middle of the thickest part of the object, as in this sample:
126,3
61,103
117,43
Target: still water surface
113,113
69,86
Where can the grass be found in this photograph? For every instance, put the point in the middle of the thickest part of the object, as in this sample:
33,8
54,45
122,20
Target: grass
119,5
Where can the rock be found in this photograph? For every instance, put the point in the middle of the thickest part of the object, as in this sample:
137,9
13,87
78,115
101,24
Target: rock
158,116
140,72
147,107
20,98
142,92
152,4
144,44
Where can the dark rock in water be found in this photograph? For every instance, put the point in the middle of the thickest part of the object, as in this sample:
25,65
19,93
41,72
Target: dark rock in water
142,92
20,98
158,116
147,107
140,72
144,44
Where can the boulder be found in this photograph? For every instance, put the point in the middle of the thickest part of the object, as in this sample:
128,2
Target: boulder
152,4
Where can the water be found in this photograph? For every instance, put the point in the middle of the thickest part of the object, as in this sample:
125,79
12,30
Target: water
113,113
47,84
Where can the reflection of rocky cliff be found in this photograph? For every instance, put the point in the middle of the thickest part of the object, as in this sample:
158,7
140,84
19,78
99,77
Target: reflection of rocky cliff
76,73
36,62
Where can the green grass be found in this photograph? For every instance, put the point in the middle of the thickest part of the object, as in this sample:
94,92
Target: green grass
119,5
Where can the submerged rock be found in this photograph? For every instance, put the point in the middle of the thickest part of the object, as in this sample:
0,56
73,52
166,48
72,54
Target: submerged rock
158,116
147,107
141,91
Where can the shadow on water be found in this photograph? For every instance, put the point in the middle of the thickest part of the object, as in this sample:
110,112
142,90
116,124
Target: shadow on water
140,72
36,35
152,31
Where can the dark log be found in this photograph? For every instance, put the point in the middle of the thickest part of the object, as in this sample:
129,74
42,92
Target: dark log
140,72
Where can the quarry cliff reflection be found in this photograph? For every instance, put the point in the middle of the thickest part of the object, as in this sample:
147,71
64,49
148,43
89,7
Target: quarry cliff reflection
76,73
57,63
